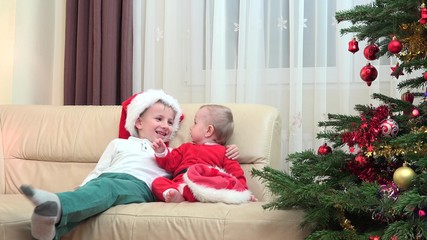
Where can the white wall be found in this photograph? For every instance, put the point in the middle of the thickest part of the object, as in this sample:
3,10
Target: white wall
7,31
31,48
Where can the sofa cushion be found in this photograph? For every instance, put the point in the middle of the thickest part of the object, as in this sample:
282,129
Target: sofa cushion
192,221
164,221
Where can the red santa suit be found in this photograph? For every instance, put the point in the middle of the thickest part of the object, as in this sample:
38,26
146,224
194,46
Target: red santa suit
212,156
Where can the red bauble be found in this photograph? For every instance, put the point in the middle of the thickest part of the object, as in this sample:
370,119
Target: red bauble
370,52
423,10
394,46
425,75
407,97
324,149
353,46
368,74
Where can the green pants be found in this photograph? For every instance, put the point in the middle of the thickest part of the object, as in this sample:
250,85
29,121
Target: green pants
98,195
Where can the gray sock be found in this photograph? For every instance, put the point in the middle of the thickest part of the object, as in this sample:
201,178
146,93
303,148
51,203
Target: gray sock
38,196
43,220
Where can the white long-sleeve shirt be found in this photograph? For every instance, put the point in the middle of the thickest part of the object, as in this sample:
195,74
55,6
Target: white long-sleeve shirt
133,156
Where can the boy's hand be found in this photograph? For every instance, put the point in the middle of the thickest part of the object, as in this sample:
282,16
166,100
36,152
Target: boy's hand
159,146
232,152
253,199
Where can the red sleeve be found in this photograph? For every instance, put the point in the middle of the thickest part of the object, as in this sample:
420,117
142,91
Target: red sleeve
233,167
173,158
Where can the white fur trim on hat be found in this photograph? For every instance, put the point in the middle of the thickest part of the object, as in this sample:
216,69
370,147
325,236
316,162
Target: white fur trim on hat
215,186
145,100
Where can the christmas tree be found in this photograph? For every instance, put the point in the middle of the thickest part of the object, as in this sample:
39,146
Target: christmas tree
370,181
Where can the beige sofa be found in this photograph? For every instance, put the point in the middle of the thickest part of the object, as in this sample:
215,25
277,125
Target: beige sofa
54,147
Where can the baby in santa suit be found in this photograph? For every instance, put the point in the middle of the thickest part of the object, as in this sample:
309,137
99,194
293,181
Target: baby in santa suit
201,170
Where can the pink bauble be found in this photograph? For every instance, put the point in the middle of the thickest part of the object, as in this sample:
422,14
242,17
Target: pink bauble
415,112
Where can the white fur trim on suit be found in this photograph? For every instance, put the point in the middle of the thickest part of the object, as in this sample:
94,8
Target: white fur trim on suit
210,194
146,99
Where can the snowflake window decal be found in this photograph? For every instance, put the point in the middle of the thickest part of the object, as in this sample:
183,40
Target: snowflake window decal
282,23
236,27
304,24
297,120
159,34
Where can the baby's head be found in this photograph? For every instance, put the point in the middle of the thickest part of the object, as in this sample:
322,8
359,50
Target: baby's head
221,118
143,101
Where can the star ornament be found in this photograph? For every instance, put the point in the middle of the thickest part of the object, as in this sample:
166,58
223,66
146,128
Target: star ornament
395,71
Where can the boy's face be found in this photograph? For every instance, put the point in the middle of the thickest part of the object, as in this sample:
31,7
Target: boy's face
156,122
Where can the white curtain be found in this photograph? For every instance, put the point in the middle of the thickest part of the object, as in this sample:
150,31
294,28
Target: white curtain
285,53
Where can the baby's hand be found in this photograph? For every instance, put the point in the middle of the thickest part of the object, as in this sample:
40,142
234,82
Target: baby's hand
232,151
159,146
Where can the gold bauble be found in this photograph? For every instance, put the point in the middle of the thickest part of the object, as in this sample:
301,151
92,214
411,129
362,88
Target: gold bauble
403,176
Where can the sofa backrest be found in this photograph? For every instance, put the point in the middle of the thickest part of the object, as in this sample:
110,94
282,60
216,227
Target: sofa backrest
55,147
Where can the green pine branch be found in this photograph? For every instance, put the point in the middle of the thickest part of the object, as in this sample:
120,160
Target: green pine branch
336,191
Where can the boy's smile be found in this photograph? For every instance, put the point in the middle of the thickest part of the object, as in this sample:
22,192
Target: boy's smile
156,122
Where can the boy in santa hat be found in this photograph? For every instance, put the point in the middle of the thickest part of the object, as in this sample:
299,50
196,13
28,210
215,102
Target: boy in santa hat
201,170
123,174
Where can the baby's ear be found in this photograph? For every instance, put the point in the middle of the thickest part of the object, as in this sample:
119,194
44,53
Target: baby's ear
210,131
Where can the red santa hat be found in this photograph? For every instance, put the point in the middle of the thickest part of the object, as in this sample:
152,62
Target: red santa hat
212,184
138,103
